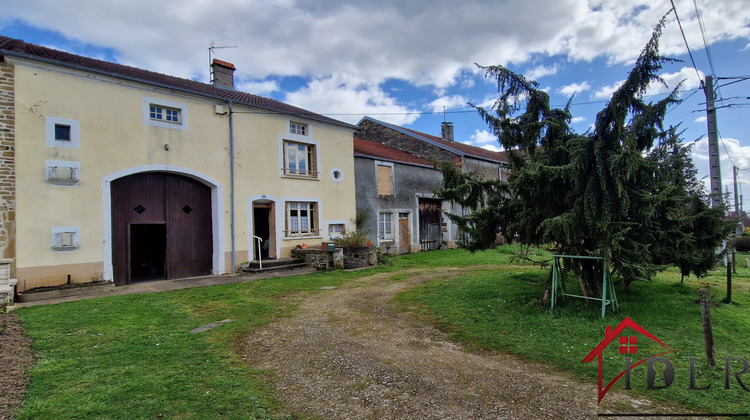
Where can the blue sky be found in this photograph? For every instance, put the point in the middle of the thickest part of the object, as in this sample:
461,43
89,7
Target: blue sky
406,61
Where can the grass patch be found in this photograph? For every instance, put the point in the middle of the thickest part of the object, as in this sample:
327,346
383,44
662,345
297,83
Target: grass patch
130,357
502,310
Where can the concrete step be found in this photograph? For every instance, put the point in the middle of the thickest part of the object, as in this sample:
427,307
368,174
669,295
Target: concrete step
273,265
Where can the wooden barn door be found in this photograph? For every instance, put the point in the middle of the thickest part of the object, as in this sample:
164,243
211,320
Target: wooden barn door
404,239
161,227
429,224
189,237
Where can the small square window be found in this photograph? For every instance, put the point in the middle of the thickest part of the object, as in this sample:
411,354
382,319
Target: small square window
336,230
173,115
297,128
155,113
62,132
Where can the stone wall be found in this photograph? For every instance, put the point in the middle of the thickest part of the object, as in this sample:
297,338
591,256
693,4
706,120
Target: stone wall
381,134
346,257
7,163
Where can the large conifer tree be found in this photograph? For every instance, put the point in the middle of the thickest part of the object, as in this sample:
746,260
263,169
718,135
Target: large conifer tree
625,191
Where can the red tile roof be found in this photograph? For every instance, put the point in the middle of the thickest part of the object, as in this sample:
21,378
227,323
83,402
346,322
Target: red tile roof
377,150
18,48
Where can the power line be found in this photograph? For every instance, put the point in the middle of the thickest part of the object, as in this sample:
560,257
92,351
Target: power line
684,38
705,38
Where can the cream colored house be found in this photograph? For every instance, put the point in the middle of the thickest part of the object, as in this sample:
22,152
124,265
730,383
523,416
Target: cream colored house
116,173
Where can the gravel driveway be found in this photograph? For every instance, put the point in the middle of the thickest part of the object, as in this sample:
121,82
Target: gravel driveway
347,353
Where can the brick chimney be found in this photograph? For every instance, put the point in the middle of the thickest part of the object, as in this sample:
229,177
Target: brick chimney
222,74
447,130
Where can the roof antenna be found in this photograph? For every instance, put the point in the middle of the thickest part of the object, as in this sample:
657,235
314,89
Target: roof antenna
211,49
444,120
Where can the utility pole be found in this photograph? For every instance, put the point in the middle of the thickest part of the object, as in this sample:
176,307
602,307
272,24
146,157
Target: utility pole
737,203
713,144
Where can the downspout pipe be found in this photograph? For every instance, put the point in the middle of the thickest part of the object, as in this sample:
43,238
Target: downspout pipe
231,175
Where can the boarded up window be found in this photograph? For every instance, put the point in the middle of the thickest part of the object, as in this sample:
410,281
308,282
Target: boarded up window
384,180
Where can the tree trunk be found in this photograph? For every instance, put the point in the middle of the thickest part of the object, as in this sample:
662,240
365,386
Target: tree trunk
590,278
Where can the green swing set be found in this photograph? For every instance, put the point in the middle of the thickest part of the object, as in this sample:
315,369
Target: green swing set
559,290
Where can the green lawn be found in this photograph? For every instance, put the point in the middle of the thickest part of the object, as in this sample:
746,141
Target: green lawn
502,310
130,357
134,357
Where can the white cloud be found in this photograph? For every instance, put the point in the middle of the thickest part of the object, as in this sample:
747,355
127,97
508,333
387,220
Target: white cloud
576,120
449,102
483,137
492,148
350,100
687,76
540,71
574,88
701,119
259,88
606,91
374,40
740,156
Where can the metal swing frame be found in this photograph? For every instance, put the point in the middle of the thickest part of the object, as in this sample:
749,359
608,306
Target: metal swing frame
558,283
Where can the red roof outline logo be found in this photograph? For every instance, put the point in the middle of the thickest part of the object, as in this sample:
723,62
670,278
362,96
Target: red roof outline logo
609,336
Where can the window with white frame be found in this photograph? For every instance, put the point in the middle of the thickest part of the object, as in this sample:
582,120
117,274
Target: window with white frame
162,113
336,230
298,128
301,218
165,114
385,226
300,159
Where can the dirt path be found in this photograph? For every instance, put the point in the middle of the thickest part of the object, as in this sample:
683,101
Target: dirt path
15,359
348,354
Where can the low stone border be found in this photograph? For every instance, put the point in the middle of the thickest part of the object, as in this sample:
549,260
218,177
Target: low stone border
59,293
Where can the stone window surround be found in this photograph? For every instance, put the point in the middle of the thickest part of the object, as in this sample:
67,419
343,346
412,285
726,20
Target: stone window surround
75,132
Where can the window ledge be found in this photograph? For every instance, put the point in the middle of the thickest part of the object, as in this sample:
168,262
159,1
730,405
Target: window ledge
305,177
290,238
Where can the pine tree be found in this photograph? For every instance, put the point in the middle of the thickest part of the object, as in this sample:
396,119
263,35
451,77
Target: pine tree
625,191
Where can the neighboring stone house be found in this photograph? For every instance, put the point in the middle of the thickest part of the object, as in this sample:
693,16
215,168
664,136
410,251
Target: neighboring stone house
492,165
407,216
115,173
396,191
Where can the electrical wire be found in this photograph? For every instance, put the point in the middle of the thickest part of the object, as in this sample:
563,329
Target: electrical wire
684,38
705,37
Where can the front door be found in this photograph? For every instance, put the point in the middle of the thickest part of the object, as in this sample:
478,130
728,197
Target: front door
264,227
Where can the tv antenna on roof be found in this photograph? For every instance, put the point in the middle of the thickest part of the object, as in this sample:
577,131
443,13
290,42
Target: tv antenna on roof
211,49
